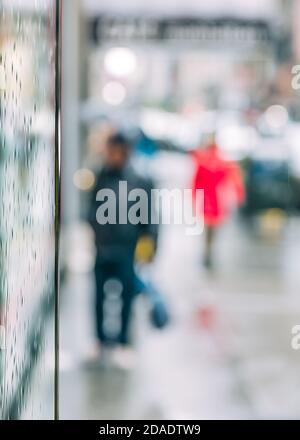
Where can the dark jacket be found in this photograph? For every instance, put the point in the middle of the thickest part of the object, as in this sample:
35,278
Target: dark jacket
119,238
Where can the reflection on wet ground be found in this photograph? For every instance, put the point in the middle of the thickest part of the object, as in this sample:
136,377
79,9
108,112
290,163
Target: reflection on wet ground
237,363
226,354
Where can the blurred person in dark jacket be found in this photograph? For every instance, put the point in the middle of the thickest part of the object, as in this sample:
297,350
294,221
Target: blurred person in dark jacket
116,240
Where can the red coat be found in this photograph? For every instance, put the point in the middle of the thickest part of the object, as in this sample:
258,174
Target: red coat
222,183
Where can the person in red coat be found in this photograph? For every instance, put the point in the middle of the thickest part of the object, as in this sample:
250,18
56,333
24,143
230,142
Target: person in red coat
222,183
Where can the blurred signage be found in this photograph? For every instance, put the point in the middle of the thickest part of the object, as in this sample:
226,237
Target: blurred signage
105,28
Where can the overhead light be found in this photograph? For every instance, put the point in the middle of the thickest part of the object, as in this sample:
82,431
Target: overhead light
114,93
84,179
120,61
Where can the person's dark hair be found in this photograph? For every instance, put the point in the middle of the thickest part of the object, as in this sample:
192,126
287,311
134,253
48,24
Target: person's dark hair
118,140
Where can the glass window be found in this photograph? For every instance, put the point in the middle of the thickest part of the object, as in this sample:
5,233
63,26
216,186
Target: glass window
27,208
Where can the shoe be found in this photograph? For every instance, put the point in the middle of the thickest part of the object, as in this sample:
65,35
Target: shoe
95,358
124,358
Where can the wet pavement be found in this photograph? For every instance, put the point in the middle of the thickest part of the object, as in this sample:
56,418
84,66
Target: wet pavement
227,352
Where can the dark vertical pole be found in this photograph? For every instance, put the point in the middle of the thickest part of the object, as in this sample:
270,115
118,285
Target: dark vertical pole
57,202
